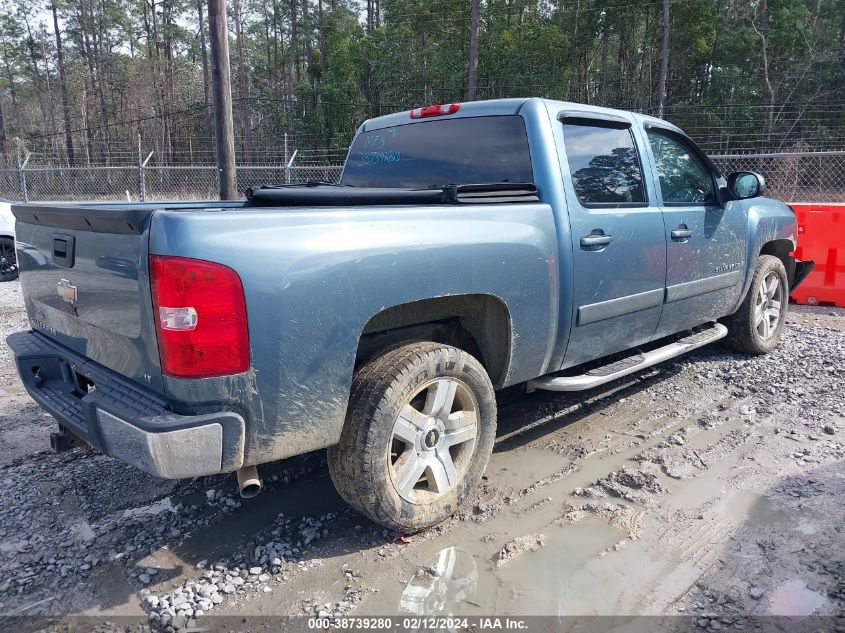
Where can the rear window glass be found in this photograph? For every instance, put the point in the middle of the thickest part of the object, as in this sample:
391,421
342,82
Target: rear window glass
431,154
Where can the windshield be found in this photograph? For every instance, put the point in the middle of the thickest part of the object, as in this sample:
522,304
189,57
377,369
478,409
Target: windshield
441,152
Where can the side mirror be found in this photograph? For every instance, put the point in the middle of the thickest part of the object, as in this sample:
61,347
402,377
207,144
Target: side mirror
746,184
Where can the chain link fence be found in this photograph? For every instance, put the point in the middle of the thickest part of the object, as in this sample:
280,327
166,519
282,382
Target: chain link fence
791,177
194,182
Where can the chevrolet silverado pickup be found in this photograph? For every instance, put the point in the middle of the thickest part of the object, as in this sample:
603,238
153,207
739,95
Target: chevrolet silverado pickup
466,248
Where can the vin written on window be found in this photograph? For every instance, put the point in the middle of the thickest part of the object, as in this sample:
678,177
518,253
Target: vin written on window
431,154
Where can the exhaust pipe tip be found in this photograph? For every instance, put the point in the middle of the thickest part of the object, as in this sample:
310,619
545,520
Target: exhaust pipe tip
249,483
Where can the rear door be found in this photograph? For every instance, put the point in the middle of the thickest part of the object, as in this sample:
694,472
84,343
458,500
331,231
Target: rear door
618,244
705,241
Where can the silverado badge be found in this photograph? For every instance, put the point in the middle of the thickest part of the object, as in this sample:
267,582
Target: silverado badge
66,291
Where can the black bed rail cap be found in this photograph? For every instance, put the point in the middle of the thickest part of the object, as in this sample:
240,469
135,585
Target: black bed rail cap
330,194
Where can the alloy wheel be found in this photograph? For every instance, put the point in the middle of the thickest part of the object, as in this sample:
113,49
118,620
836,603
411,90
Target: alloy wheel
433,439
768,306
8,262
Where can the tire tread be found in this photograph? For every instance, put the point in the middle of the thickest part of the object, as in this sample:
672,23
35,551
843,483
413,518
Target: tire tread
742,336
375,387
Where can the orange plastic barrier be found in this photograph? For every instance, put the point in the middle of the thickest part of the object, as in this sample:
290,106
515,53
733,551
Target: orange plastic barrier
821,236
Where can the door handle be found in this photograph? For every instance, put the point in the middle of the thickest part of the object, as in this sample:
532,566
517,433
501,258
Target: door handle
595,239
680,235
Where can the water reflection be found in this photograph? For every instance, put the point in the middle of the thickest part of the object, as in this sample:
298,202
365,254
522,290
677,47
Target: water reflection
794,598
439,589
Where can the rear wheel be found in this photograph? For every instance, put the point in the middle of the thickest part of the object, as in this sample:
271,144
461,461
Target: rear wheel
8,261
417,437
757,327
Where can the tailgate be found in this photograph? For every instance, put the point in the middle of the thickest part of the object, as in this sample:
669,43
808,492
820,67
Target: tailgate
84,276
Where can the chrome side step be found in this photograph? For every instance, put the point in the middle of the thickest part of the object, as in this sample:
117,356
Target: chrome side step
618,369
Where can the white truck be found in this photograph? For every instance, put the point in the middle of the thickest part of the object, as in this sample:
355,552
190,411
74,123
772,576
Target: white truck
8,261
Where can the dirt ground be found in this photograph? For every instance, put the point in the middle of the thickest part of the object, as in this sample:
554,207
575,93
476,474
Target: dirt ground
711,487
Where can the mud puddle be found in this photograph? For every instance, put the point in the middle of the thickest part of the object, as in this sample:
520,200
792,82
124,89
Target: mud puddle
762,511
795,598
554,579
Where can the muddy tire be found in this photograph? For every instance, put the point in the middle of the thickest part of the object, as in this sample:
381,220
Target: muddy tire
418,434
8,260
757,327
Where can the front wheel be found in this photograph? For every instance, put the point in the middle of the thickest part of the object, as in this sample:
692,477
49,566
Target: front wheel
757,327
8,261
418,434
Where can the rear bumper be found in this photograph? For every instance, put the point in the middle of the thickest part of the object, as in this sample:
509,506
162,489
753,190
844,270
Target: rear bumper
122,419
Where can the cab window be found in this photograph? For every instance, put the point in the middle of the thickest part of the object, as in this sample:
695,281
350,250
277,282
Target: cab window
603,163
684,177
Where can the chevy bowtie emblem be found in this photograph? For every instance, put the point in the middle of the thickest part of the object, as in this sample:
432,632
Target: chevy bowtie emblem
66,291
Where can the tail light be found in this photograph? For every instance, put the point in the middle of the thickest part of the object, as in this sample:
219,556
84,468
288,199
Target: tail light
200,317
435,110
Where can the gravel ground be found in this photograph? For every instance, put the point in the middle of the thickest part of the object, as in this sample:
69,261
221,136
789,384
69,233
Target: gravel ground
709,487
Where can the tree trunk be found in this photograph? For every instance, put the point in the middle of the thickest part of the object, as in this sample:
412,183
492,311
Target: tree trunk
2,131
63,86
306,33
293,65
203,52
664,63
605,38
625,67
472,80
573,53
763,32
37,78
99,81
426,85
90,82
276,36
324,53
159,83
167,26
243,85
268,47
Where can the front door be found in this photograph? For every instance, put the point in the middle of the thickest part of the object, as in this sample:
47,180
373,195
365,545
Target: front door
705,241
618,242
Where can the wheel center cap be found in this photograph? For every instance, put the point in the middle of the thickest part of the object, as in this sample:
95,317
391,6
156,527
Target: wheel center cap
431,438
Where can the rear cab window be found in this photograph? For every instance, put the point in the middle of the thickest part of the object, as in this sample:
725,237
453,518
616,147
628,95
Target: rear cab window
433,154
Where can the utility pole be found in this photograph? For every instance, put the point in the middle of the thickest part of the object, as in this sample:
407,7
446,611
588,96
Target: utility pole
222,83
473,52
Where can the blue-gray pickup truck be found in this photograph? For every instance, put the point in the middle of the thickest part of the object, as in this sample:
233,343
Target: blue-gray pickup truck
466,248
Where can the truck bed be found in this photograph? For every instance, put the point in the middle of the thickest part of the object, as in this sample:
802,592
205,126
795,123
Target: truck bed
130,218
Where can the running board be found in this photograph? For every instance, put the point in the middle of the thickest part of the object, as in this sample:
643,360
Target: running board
618,369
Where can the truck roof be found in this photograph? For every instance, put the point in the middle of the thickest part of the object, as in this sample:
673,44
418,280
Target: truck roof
493,107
